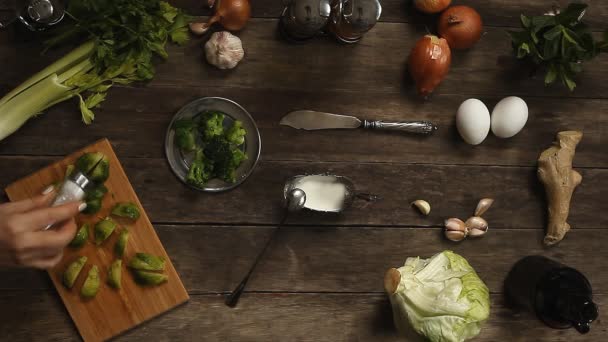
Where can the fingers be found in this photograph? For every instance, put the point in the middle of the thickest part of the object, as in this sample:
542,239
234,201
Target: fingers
38,219
53,239
46,263
40,201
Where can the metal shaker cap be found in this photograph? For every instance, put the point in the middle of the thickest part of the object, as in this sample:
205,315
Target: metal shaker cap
40,10
80,179
310,15
357,16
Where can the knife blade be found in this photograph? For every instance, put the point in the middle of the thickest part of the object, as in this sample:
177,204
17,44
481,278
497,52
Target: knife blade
312,120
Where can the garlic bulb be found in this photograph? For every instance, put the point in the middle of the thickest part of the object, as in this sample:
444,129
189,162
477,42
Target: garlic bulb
224,50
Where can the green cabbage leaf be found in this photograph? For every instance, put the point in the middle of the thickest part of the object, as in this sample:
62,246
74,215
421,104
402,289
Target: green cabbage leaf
441,298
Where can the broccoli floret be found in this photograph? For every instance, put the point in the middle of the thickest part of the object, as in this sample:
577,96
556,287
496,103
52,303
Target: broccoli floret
185,134
226,158
200,170
212,124
236,134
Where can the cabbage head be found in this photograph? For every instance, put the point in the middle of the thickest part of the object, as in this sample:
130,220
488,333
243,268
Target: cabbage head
441,298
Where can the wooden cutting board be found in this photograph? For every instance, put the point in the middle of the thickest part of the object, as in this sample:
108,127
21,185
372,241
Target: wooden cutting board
112,311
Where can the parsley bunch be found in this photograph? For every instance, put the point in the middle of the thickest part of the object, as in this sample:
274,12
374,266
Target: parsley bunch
119,41
558,42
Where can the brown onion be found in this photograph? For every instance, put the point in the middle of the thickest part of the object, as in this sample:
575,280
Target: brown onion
231,14
429,63
431,6
461,26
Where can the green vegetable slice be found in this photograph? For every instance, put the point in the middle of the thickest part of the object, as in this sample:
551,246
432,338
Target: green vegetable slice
95,165
147,262
148,278
81,236
121,243
103,230
97,192
72,271
126,209
91,284
115,274
93,206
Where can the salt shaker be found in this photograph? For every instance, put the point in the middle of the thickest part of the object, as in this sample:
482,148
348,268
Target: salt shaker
72,189
37,15
350,19
304,19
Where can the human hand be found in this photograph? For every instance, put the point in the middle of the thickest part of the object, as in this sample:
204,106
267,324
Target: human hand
23,240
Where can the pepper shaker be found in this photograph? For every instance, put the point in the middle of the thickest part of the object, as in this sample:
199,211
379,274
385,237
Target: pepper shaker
304,19
351,19
37,15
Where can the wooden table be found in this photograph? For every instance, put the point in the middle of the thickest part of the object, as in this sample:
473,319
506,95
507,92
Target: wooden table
322,278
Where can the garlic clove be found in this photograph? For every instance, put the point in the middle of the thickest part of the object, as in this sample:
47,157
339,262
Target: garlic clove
224,50
423,206
455,229
198,28
483,205
476,226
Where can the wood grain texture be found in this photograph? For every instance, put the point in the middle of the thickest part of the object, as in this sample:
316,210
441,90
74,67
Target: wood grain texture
279,317
377,64
136,119
322,278
493,12
111,312
453,191
306,259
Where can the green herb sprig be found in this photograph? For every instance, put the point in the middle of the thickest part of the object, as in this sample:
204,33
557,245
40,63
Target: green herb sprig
559,43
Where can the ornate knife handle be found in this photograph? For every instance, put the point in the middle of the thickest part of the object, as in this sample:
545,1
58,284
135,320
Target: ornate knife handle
418,127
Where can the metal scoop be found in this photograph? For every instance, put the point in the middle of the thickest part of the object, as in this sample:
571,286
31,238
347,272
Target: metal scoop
295,200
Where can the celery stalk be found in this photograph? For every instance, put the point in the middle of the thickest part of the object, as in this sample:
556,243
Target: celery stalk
26,104
66,62
43,90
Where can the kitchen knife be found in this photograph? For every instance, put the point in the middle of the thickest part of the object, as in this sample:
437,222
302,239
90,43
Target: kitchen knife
311,120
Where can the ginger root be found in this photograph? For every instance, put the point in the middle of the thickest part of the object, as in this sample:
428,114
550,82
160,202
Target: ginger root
555,172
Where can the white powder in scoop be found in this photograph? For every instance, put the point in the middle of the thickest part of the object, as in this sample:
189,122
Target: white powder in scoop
324,193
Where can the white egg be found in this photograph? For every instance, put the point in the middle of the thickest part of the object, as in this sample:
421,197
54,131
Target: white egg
473,121
509,116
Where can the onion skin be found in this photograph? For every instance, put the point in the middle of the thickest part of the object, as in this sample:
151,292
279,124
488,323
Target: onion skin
461,26
431,6
429,63
231,14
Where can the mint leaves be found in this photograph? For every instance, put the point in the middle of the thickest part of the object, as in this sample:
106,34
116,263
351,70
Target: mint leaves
558,43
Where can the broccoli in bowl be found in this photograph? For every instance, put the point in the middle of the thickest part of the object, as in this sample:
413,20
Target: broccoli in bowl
215,145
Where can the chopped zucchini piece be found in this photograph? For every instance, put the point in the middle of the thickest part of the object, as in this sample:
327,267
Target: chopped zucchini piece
121,243
81,236
91,284
103,230
147,262
115,274
72,271
149,278
126,209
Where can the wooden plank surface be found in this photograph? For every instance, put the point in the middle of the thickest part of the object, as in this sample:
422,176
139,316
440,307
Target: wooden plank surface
322,278
452,190
281,317
493,12
323,64
337,259
110,312
136,119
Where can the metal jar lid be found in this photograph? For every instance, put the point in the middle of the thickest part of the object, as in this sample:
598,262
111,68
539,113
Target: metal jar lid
352,18
305,18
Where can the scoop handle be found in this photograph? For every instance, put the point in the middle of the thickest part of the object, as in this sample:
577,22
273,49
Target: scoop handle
417,127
